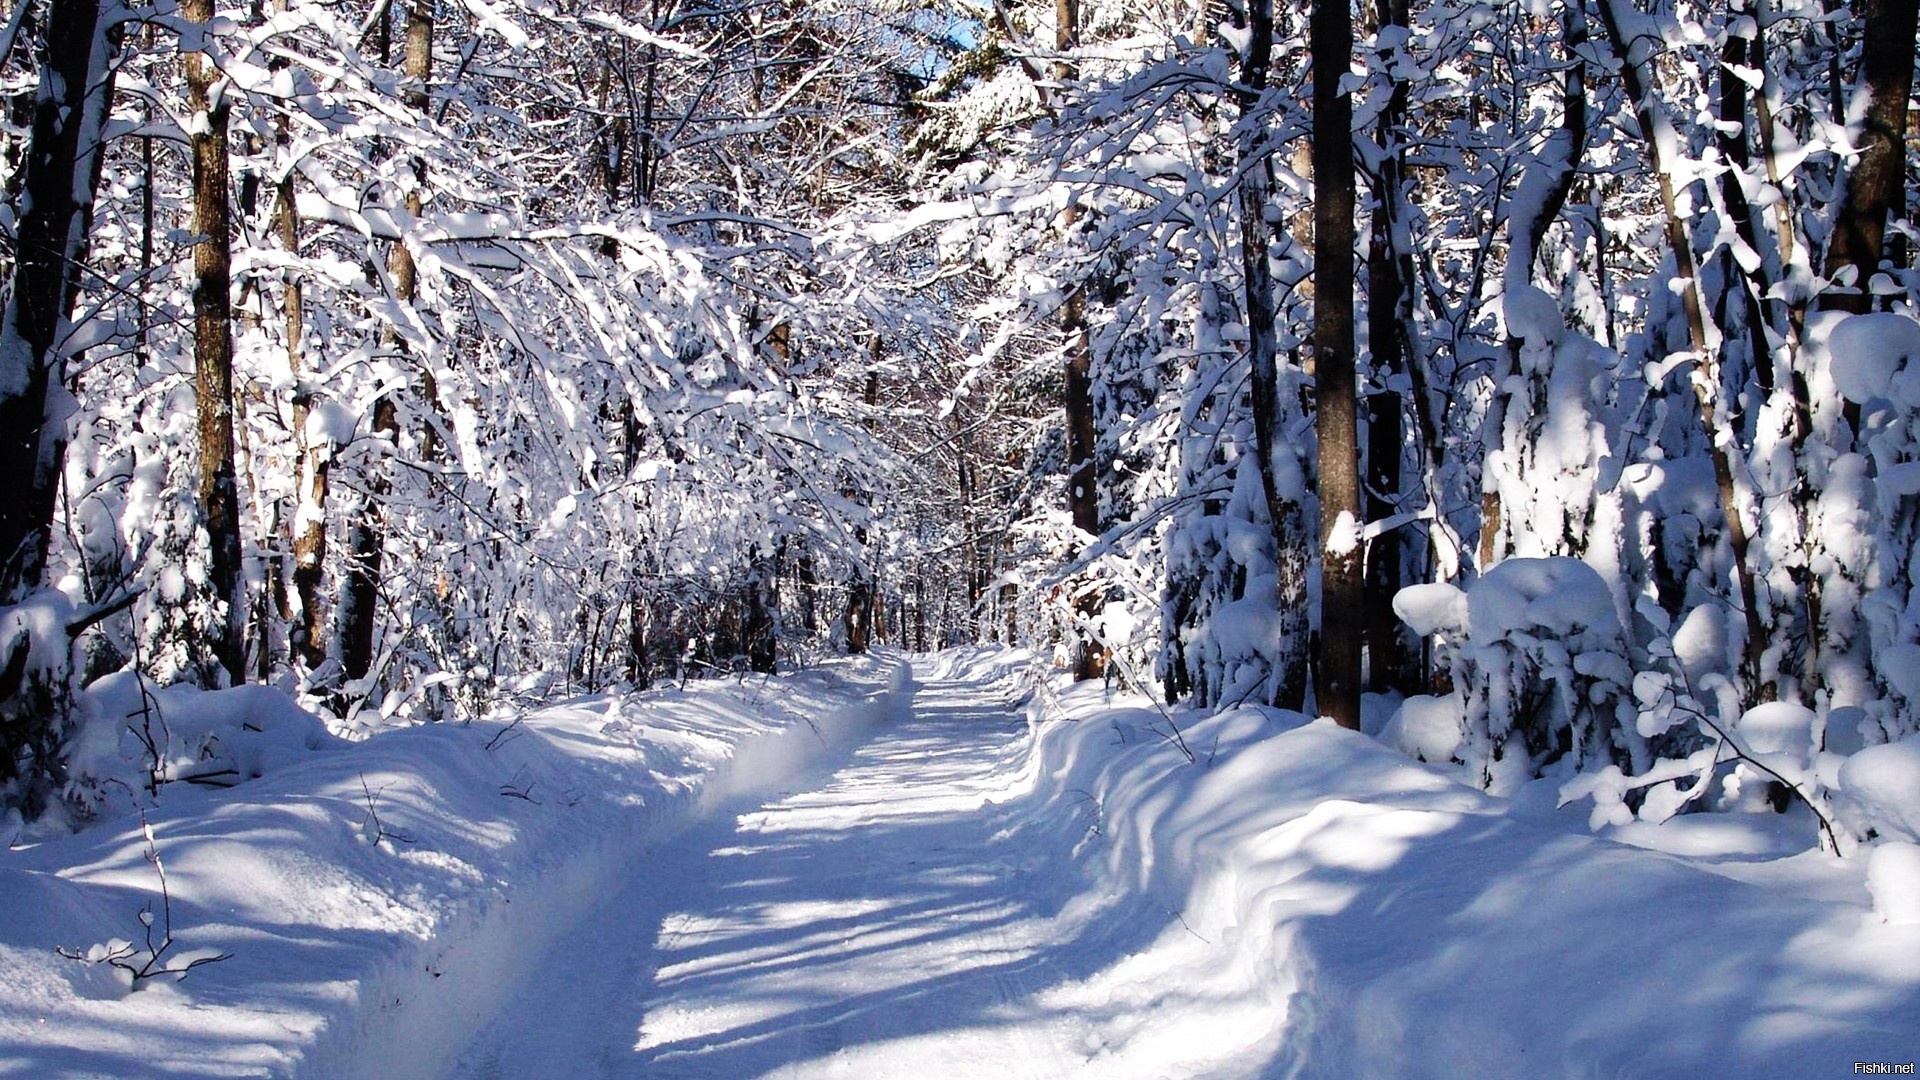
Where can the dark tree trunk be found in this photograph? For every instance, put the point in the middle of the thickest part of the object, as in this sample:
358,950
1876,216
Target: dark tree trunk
213,347
1083,496
856,622
1342,584
639,669
366,549
367,539
1389,331
919,613
1876,185
809,582
61,174
1283,512
62,171
760,622
1083,492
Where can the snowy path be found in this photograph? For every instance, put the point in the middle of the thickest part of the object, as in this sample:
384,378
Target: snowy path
888,923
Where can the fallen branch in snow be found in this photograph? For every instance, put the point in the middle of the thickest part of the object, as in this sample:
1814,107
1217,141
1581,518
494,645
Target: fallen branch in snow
1099,826
1182,920
1116,660
151,961
513,789
220,778
500,738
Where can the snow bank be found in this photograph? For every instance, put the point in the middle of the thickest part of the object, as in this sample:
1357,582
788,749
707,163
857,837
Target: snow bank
1331,908
375,897
135,738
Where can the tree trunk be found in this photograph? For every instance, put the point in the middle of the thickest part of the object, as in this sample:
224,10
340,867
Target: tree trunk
1083,498
213,345
1524,234
1283,510
315,449
61,174
920,612
1342,584
857,621
1876,185
1083,493
760,626
306,633
358,606
809,582
1389,334
1706,380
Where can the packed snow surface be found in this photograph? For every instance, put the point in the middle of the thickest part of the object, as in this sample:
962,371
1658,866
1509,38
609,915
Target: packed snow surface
982,871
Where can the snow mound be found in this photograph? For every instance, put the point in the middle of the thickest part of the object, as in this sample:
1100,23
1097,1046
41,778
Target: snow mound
376,897
1331,908
1872,357
1780,732
1893,876
1525,599
1881,785
1425,728
135,739
1436,608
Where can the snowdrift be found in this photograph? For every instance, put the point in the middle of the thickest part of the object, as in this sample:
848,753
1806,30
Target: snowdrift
1332,908
374,899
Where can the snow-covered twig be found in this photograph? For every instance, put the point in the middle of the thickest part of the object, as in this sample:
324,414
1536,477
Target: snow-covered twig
150,961
1833,842
375,829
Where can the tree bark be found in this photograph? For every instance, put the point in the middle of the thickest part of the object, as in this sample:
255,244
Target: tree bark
1876,185
1083,493
1342,583
307,635
1284,514
358,602
856,622
218,487
1706,382
760,626
1389,335
61,174
1523,245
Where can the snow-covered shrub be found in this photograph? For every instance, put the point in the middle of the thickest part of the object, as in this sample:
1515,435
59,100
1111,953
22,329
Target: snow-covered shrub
1874,361
1880,791
130,740
1221,605
1540,671
36,669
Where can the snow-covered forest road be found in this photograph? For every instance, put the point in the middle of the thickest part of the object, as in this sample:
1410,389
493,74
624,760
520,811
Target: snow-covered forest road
1002,882
972,867
889,921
